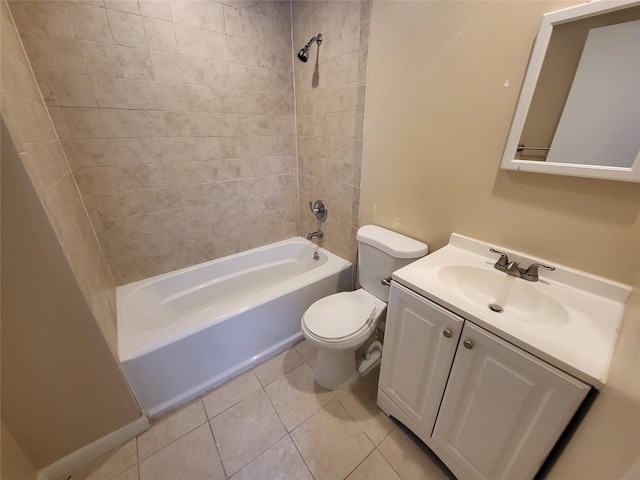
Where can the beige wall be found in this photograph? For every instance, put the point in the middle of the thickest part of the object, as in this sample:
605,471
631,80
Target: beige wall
444,79
606,444
330,100
61,386
177,119
14,463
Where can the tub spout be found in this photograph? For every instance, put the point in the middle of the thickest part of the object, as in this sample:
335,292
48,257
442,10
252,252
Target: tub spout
316,234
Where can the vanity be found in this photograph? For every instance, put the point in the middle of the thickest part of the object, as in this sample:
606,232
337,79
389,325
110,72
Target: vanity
488,367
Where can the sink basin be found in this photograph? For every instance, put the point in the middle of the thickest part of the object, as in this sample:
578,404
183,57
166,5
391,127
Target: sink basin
503,294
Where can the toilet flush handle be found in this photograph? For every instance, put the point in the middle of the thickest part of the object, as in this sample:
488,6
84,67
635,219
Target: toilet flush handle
386,281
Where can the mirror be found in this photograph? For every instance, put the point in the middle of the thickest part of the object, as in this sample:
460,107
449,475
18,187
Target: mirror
579,108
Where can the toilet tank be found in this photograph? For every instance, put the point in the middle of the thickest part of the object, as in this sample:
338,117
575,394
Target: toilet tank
380,253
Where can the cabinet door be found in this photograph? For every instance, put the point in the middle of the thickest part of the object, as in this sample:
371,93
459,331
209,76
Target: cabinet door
503,409
419,345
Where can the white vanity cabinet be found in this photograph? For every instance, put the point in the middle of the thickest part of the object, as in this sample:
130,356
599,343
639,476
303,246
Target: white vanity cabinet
487,408
419,345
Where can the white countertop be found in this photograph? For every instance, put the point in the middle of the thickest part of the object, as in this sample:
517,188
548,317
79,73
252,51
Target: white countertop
582,340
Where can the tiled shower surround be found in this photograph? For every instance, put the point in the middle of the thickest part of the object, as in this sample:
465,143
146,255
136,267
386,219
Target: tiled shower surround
178,119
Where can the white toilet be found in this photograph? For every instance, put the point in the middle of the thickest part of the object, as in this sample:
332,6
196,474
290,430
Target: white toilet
342,326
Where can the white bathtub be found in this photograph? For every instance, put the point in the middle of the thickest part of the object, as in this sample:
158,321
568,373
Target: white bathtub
184,332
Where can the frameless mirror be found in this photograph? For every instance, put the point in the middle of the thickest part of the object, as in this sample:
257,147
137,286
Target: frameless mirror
579,107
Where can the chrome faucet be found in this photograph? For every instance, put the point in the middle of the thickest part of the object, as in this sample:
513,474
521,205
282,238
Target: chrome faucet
513,268
316,234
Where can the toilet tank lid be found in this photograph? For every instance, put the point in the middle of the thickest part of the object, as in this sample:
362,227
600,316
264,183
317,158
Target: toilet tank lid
392,243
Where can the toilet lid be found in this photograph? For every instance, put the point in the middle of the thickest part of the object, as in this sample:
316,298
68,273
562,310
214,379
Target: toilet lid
338,316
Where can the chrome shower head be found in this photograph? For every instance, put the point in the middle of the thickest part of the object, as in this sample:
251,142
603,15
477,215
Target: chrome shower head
303,54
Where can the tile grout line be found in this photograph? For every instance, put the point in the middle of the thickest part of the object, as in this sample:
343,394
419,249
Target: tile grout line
215,444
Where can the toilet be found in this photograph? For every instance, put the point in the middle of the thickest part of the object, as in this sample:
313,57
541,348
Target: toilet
342,326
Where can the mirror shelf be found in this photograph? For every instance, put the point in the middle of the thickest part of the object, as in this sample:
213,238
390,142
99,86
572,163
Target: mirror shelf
538,123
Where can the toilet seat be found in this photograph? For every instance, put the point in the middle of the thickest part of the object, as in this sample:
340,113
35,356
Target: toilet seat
339,317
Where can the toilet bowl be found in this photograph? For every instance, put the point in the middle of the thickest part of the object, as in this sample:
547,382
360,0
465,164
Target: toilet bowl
338,326
342,326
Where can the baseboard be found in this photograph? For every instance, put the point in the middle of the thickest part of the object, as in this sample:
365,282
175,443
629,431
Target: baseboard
74,461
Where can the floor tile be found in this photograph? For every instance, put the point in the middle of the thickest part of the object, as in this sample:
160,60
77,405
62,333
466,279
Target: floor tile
296,396
374,467
360,402
192,457
230,393
282,462
246,430
277,366
308,351
409,460
331,442
110,464
129,474
171,427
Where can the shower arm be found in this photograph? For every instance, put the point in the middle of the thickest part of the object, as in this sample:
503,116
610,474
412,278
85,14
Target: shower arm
317,38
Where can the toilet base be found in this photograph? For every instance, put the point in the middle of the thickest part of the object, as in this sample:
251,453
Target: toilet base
335,369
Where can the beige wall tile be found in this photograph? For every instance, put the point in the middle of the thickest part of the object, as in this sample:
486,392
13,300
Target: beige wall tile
110,92
48,18
129,6
54,54
211,15
90,153
50,162
185,12
136,63
155,9
160,35
190,41
72,90
140,94
166,67
90,22
83,122
127,29
133,123
101,59
58,122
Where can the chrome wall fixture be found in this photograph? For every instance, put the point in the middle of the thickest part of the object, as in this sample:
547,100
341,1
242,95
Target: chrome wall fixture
303,54
319,209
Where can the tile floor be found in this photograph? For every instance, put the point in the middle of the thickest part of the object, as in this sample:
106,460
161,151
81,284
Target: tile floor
273,422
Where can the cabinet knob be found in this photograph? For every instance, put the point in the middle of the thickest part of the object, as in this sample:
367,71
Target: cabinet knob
447,332
468,344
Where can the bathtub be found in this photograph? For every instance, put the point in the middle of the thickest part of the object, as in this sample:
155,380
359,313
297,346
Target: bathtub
185,332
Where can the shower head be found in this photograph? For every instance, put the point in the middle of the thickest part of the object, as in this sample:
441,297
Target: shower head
303,54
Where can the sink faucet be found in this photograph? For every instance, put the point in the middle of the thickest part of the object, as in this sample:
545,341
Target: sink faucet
316,234
513,268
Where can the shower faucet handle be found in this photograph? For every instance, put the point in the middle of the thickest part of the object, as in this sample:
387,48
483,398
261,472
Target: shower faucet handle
319,209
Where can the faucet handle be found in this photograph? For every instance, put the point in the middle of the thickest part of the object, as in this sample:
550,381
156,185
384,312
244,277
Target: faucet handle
503,261
531,273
